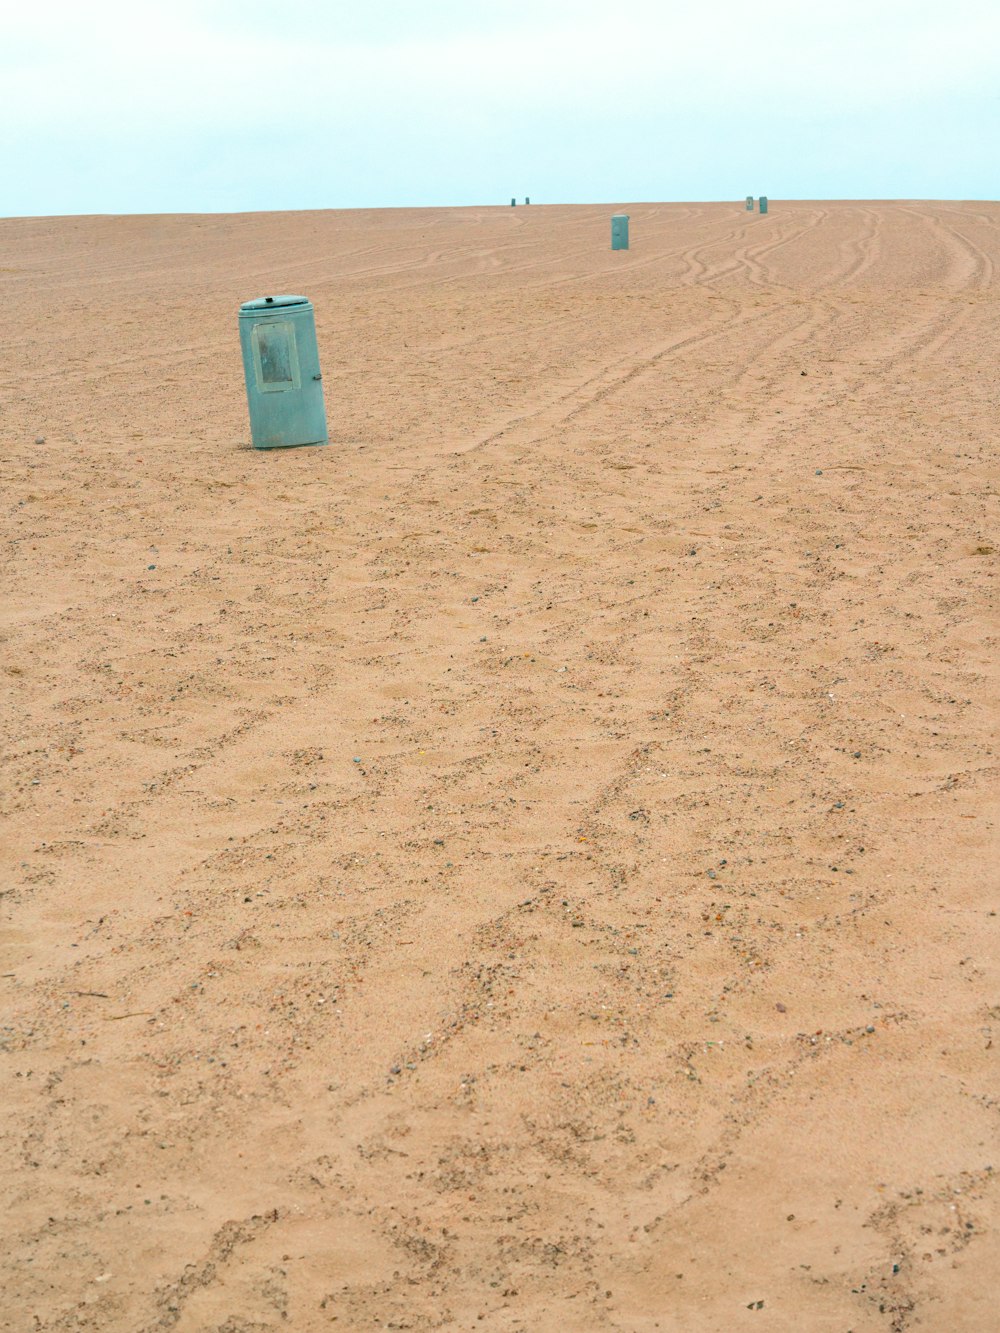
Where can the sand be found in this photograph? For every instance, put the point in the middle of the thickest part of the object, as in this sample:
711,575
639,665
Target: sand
530,864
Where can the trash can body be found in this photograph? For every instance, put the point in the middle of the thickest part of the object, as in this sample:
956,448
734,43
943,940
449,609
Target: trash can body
281,368
749,203
763,203
619,231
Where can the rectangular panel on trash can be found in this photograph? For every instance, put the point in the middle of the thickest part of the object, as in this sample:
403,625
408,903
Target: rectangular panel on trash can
275,358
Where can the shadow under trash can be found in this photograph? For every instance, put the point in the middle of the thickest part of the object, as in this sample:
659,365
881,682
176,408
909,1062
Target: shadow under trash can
281,367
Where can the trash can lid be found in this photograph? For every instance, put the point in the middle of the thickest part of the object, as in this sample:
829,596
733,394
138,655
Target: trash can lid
267,302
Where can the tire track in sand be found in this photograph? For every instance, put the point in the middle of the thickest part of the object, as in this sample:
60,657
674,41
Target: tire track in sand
615,376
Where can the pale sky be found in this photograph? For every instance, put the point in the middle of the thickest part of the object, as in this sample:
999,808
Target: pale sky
235,105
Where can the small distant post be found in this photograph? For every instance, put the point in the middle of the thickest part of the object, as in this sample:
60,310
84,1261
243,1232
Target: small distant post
749,203
619,231
763,203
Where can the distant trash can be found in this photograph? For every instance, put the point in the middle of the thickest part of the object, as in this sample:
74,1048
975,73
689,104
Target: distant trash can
749,203
763,203
619,231
281,367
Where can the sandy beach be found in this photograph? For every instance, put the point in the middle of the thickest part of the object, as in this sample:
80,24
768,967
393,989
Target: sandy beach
530,864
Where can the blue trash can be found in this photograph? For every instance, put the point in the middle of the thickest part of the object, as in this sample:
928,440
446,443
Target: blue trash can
763,203
281,368
749,203
619,231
